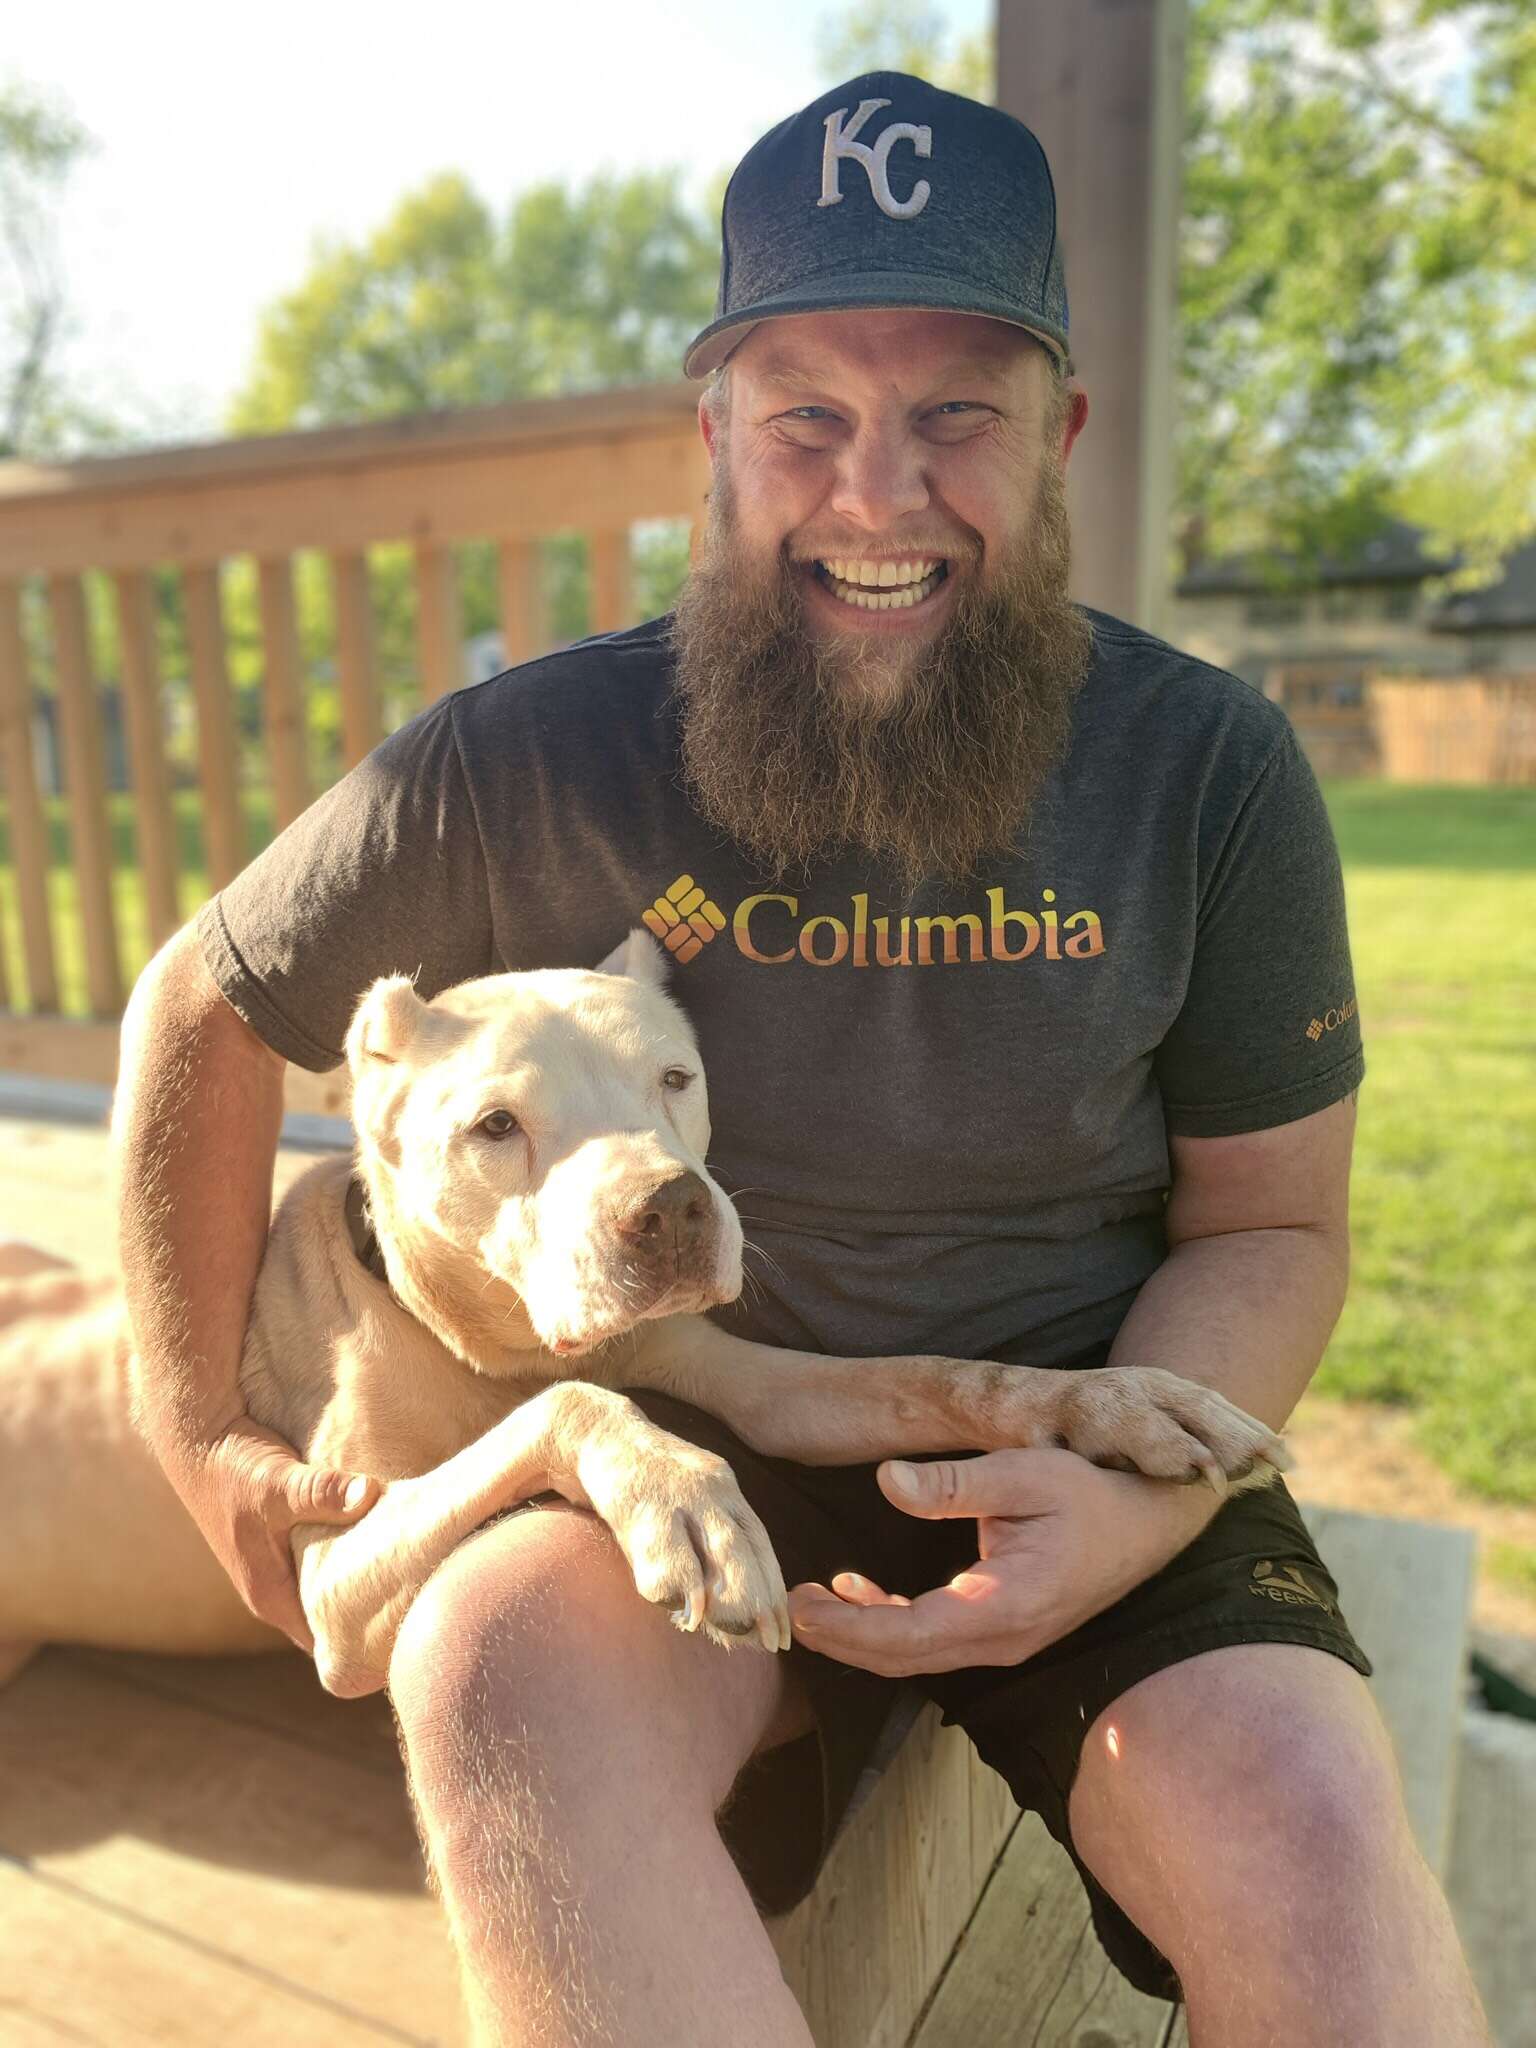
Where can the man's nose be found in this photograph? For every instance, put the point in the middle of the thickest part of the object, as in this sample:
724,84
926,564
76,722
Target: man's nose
880,478
671,1218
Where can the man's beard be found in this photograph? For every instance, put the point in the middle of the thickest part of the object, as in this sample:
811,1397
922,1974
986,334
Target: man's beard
927,758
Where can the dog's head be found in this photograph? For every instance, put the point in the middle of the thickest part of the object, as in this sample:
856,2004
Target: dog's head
551,1127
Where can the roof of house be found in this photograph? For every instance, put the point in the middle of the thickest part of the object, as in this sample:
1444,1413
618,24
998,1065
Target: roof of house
1395,555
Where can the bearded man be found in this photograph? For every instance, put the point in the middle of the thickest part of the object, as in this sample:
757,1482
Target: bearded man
1011,925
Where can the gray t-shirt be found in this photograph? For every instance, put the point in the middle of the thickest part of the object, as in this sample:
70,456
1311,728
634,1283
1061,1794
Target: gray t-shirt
944,1116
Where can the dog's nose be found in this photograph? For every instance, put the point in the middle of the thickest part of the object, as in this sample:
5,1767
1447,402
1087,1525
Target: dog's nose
671,1217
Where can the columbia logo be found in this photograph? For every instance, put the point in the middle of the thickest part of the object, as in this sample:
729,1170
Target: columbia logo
1332,1019
684,919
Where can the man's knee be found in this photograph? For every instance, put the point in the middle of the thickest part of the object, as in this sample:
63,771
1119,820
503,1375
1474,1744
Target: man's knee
1207,1781
533,1633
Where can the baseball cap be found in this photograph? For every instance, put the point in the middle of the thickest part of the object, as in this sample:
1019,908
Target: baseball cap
889,192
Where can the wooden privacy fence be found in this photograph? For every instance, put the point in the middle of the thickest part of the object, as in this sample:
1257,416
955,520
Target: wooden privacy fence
509,474
1353,722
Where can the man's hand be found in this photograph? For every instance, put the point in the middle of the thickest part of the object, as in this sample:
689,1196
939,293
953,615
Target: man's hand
246,1490
1060,1540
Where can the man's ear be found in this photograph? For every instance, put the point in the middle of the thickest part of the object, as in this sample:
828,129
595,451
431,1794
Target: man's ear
640,958
385,1023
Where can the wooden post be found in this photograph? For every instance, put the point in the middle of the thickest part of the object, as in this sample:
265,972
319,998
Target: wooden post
524,630
154,827
28,828
282,690
361,726
223,827
90,833
439,621
1101,83
609,569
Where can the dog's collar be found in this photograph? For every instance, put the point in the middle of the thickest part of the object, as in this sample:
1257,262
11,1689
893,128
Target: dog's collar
360,1228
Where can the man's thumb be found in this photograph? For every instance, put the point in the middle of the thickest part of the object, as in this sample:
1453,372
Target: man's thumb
317,1494
987,1485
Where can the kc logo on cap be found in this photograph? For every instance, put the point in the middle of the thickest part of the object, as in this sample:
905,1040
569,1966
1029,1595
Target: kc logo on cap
875,157
977,236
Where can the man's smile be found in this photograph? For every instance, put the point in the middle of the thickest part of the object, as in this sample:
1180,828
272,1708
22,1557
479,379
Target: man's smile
881,588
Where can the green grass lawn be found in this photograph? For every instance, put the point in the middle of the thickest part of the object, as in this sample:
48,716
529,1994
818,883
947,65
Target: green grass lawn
1442,907
1441,1316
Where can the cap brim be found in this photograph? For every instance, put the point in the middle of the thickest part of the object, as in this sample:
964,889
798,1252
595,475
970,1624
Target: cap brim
883,292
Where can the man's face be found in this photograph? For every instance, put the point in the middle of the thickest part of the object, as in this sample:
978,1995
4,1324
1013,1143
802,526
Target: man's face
875,645
890,443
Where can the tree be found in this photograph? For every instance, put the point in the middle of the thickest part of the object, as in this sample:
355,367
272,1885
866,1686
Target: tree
1357,265
448,305
905,35
39,144
1358,277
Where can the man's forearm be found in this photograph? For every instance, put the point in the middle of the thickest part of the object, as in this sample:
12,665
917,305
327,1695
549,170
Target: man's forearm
195,1125
1248,1312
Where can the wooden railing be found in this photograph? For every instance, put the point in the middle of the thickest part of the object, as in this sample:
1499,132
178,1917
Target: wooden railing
507,474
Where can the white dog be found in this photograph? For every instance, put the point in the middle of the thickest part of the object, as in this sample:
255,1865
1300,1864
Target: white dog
540,1231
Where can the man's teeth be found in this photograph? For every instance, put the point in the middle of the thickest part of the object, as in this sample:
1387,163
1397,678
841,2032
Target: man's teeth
882,586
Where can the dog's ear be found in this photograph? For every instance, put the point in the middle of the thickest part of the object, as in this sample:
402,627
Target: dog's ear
640,958
385,1023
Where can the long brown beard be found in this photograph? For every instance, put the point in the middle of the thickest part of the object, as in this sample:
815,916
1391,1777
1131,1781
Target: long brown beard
798,746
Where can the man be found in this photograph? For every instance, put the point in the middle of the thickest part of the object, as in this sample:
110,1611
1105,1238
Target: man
1015,944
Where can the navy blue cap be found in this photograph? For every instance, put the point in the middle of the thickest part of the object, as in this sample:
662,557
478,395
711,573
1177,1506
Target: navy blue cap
887,192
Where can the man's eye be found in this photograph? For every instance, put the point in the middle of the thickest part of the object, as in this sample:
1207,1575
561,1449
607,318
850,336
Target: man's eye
805,412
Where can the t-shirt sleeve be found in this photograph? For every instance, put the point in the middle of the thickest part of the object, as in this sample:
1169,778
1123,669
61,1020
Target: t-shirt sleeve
384,874
1269,1030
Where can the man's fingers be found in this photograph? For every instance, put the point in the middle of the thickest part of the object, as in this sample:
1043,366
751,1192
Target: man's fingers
862,1592
996,1483
948,1629
314,1493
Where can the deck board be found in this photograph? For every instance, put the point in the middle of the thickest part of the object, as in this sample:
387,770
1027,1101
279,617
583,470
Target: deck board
265,1850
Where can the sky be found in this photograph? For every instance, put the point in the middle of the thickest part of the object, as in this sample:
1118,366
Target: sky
228,138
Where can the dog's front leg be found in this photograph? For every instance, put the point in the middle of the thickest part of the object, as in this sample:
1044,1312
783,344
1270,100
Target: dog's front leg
692,1541
845,1411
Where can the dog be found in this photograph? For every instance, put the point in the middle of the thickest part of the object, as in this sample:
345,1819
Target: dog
530,1228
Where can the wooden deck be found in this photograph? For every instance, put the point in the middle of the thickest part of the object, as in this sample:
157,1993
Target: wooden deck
215,1851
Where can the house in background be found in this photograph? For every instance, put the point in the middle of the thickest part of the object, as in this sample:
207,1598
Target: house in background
1367,610
1377,677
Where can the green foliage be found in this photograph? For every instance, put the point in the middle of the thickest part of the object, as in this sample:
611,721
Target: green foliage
1358,280
905,35
39,144
445,305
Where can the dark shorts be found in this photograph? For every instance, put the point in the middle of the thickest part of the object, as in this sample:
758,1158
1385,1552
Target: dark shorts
1252,1576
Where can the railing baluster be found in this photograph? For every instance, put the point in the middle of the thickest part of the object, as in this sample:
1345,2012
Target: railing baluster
361,727
28,827
90,830
439,621
612,601
282,690
223,826
524,630
154,828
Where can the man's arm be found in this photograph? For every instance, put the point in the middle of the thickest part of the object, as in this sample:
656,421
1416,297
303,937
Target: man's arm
1258,1229
195,1126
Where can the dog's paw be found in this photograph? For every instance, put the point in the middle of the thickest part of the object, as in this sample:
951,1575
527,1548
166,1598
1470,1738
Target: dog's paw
1139,1419
697,1547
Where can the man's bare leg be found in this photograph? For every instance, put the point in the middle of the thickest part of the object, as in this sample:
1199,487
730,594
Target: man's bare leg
568,1751
1248,1817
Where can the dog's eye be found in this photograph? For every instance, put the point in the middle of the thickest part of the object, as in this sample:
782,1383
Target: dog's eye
676,1078
499,1124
